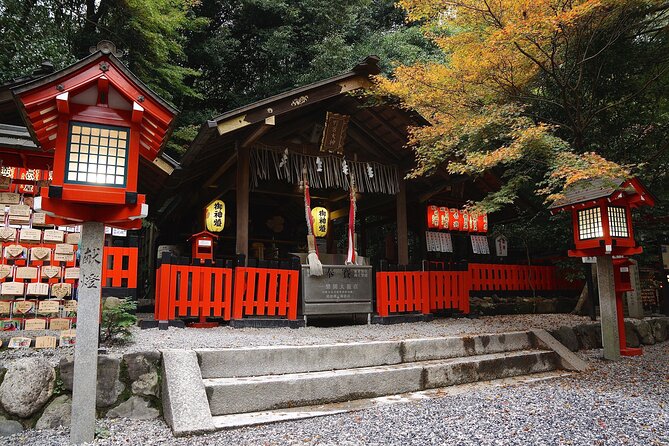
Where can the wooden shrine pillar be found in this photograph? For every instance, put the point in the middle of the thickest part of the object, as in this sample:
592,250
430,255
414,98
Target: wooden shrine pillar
242,190
402,232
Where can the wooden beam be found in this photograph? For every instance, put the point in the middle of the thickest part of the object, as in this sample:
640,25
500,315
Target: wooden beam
258,132
402,230
221,170
243,161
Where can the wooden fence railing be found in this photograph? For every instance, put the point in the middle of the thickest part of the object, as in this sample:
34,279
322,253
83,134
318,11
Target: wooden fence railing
193,291
119,267
397,292
265,292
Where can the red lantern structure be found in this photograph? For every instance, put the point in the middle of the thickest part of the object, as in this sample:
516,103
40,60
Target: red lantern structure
602,221
602,218
433,217
98,119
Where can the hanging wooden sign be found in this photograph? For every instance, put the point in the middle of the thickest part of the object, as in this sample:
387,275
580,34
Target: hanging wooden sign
70,306
50,272
39,219
49,306
35,324
61,290
9,198
501,246
73,238
63,253
59,324
30,235
8,235
215,216
26,273
37,289
40,254
5,306
68,338
72,273
10,325
19,342
14,252
24,307
45,342
5,271
54,236
334,133
12,289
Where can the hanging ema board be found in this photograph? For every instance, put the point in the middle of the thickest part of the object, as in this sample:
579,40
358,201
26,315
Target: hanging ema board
342,289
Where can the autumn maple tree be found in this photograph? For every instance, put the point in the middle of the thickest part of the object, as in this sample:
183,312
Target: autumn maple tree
525,87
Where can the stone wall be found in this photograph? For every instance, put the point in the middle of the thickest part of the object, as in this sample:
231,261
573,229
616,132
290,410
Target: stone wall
637,332
33,394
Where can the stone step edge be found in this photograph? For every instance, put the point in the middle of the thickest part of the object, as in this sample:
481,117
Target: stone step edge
234,421
281,359
250,380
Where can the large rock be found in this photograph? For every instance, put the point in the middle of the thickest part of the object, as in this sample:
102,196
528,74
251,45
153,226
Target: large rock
112,302
136,408
57,413
9,427
109,387
589,336
27,386
631,338
146,385
141,363
643,330
567,337
660,327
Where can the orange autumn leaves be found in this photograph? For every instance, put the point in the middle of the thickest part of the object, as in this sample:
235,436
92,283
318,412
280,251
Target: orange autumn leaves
498,56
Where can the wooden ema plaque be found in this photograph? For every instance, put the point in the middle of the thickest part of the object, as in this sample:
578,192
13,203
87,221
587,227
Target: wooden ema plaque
64,252
26,273
39,219
14,252
40,254
72,273
68,338
9,198
10,324
12,289
49,306
37,289
70,306
50,272
35,324
7,235
5,306
45,342
61,290
24,307
5,271
19,342
30,235
73,238
53,236
59,324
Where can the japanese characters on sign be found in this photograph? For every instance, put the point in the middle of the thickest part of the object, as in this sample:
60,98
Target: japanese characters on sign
320,216
456,220
215,216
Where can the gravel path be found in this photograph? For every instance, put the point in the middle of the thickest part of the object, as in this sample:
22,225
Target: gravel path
189,338
623,403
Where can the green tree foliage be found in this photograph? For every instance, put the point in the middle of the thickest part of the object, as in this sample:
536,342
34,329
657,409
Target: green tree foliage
116,322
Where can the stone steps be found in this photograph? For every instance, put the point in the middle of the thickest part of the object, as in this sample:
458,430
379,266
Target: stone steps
268,392
209,389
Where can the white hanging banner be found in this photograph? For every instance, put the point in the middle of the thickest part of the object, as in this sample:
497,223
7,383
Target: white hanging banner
480,244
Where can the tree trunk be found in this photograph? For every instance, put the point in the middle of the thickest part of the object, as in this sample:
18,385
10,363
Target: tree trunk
582,299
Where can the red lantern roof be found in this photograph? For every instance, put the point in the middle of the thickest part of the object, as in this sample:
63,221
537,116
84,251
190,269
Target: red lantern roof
615,191
101,73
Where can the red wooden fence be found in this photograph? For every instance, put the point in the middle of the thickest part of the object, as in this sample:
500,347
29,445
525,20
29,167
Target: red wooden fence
265,292
185,290
397,292
119,267
401,292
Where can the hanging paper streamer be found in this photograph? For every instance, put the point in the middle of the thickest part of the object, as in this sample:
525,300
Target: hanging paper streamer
351,254
272,163
370,171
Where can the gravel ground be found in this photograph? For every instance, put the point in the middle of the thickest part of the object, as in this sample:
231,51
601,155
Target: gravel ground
623,403
154,339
